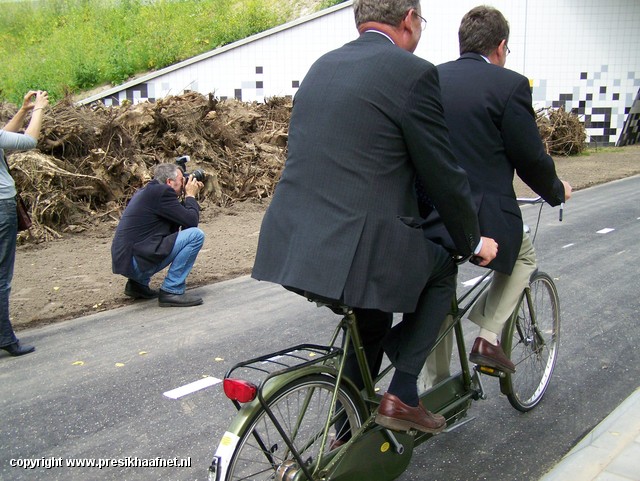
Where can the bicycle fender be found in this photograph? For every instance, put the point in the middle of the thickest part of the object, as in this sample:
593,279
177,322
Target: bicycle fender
246,414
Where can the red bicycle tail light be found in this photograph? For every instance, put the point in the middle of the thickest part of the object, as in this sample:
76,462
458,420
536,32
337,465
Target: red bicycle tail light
239,390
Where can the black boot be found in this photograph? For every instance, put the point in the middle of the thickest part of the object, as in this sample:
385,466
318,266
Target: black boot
167,299
139,291
16,349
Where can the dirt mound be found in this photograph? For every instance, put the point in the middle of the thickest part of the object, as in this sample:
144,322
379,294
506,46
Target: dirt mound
91,159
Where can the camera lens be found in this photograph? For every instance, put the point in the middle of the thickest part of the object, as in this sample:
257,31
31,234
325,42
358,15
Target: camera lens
198,174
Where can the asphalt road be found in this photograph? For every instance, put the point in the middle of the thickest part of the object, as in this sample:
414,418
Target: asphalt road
102,387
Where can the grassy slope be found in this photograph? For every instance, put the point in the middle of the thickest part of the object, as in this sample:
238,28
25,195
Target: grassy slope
68,46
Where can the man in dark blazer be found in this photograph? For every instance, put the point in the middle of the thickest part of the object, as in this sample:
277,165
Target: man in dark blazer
344,220
156,231
493,133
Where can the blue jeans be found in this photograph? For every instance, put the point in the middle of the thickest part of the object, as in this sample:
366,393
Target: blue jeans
8,233
181,258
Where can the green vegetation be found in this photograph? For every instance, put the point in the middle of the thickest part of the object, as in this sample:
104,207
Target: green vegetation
67,46
599,150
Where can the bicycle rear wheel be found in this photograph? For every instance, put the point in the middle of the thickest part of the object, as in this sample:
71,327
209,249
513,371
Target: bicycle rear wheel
531,340
302,409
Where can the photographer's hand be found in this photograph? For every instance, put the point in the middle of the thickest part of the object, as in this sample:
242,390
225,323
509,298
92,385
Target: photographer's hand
39,101
34,101
192,187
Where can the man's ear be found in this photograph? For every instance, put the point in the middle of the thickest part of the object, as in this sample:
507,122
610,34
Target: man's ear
504,50
404,32
407,21
499,55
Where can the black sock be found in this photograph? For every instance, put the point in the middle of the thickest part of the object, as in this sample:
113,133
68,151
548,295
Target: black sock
404,385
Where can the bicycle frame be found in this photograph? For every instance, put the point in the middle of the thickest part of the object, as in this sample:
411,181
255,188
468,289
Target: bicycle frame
451,397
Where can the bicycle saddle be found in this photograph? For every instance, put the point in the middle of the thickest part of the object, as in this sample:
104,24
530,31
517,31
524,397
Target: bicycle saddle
338,307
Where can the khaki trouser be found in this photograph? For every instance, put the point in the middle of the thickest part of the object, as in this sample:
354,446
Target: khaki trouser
491,312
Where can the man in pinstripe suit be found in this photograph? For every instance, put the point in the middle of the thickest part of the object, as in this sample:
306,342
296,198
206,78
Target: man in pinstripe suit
344,221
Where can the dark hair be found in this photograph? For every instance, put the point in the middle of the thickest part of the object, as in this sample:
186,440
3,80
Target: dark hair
389,12
481,30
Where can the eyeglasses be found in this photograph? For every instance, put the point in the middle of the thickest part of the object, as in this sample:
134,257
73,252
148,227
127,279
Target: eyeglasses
423,21
507,48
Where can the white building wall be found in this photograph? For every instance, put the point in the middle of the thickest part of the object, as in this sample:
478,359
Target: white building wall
583,55
579,54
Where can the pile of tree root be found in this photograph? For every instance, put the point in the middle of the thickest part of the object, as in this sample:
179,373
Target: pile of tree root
91,159
561,131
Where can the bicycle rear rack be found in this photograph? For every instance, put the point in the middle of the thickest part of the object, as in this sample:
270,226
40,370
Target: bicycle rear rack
261,369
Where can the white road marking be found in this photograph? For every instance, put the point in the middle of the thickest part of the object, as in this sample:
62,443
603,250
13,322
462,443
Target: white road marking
192,387
568,245
605,230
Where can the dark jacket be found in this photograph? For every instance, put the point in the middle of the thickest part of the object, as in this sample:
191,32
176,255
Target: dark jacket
149,227
342,222
494,133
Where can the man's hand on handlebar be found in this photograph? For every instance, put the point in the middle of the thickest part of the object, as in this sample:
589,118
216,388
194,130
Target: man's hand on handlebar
567,190
488,252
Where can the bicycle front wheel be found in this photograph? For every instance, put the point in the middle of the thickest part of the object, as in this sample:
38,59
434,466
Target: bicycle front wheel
531,340
301,408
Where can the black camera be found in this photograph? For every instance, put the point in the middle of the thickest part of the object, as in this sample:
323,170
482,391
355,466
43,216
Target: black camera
182,163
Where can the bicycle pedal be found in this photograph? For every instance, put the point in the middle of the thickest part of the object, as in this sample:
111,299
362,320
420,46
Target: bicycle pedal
490,371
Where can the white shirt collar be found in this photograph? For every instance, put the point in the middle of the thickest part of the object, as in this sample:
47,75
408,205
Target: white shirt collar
381,33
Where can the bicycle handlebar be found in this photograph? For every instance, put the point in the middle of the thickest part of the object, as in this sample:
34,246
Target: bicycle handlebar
538,200
530,200
521,201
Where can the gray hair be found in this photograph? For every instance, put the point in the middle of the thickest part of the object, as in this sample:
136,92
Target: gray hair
164,172
390,12
481,30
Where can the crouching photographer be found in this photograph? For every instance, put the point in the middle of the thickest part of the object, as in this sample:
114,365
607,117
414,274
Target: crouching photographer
157,230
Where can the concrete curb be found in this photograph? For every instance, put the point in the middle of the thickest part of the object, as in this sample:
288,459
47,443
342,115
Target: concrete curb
610,452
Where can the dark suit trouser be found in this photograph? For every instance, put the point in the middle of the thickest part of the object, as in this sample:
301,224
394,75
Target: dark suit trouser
408,343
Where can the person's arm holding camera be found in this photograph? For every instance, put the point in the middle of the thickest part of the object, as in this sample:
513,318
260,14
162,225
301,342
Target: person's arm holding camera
190,214
34,102
185,212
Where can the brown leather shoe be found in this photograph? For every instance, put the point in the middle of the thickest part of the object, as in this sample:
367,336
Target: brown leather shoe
486,354
396,415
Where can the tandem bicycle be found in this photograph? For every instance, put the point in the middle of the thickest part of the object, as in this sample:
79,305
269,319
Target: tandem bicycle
294,403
